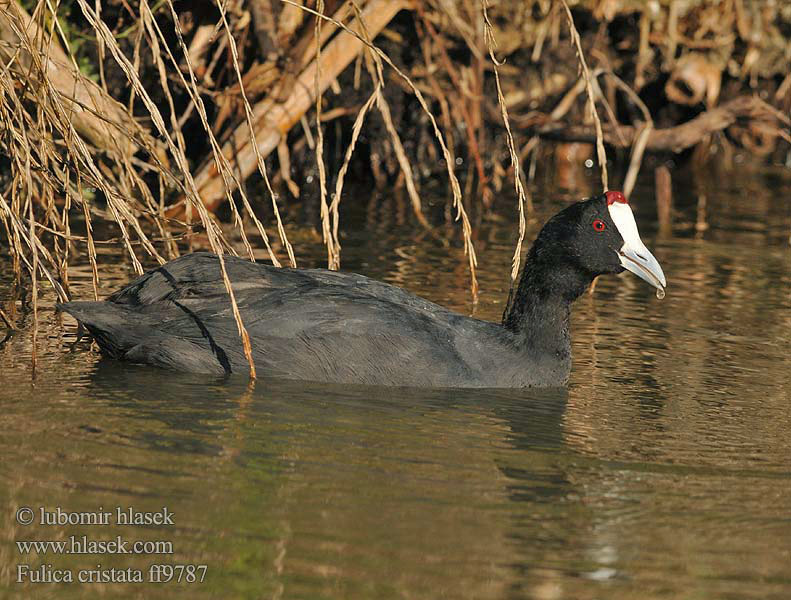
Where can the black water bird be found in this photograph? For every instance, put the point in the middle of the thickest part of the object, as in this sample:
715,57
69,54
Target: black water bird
319,325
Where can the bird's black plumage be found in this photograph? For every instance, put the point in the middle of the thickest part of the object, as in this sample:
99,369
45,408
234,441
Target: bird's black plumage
321,325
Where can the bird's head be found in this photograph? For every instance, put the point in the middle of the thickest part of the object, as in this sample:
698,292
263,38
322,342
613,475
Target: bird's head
599,236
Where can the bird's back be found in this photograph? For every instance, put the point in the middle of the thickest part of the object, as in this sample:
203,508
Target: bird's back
303,324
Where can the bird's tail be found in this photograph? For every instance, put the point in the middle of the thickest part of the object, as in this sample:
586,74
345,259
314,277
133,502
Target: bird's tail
125,333
113,326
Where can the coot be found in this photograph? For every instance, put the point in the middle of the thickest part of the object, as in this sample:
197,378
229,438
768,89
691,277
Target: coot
319,325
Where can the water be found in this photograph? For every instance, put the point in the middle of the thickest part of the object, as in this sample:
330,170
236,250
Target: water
663,471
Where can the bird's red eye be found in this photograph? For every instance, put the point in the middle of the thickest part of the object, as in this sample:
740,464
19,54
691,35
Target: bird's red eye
599,225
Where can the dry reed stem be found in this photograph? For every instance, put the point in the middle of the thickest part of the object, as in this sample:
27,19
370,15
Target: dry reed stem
64,73
343,11
567,101
275,117
134,81
600,153
599,95
643,53
403,161
636,158
192,90
326,226
91,245
225,169
377,74
33,275
22,186
543,29
491,44
356,129
63,265
334,207
117,203
19,236
641,140
248,111
284,160
7,321
50,101
461,214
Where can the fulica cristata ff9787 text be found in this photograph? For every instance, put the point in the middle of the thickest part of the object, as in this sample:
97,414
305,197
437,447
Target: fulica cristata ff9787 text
318,325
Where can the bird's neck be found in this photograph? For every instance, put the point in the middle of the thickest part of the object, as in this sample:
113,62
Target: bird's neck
539,312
